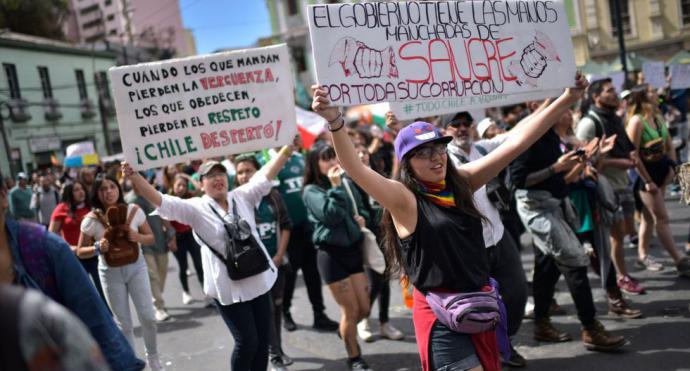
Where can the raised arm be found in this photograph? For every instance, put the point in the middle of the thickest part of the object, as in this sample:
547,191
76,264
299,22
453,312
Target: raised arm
272,167
391,194
143,188
523,136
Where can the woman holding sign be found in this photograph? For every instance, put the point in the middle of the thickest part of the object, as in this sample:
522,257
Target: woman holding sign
224,224
433,229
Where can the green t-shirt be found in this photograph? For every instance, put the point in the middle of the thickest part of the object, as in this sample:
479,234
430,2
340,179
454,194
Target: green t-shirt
267,226
291,177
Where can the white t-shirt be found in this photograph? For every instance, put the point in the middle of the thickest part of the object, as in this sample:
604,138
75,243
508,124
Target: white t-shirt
492,226
92,227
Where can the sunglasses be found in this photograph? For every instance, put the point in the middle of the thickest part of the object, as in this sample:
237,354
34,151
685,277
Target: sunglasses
426,152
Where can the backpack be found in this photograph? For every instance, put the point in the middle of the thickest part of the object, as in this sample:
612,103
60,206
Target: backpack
121,251
245,257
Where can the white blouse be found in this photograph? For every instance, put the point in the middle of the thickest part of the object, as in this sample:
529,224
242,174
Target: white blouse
196,212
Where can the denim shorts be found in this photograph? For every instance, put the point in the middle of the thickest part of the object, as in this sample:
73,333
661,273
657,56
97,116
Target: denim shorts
450,350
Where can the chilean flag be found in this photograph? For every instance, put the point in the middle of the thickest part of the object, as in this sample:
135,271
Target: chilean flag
309,125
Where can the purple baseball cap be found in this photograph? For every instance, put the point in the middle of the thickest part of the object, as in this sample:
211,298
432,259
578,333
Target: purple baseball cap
416,134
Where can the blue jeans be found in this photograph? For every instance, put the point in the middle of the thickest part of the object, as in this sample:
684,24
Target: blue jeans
450,350
250,325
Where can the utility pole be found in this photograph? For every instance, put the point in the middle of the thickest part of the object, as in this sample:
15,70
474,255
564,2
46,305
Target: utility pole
101,85
621,39
5,142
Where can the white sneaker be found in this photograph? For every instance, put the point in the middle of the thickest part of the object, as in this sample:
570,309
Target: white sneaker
155,363
186,298
364,330
162,315
390,332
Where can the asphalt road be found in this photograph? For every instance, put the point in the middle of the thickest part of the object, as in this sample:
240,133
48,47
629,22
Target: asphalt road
197,339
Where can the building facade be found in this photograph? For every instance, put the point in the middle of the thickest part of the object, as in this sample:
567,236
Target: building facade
52,95
653,29
143,23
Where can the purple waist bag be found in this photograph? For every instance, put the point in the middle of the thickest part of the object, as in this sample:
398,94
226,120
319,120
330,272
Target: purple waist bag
472,313
466,313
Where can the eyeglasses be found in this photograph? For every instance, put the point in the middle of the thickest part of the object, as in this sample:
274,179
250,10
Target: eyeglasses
459,123
426,152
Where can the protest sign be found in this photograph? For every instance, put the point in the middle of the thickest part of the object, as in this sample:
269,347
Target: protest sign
424,108
680,76
213,105
654,75
413,51
80,154
617,79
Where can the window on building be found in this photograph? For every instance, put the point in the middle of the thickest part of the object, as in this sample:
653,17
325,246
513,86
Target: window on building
626,18
89,9
108,2
685,11
81,84
292,7
102,84
112,32
111,17
91,24
45,82
12,82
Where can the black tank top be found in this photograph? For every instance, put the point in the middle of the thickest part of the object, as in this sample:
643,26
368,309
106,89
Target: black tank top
446,251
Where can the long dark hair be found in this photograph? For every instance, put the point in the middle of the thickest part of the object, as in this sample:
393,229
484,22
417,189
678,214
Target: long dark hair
640,104
464,201
68,195
245,158
98,182
312,174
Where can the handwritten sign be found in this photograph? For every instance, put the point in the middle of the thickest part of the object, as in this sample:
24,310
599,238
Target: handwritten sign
193,108
617,79
424,108
375,52
654,75
680,76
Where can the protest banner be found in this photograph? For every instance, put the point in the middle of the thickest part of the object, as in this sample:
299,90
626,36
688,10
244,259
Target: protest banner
617,79
654,74
199,107
680,76
455,51
80,154
432,107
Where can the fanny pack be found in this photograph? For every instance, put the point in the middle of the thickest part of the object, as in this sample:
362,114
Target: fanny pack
245,257
466,313
653,150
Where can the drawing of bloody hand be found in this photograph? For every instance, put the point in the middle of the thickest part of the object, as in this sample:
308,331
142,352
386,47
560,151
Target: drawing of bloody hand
534,60
356,58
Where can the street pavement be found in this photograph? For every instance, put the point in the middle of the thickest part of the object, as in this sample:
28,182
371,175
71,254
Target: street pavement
197,339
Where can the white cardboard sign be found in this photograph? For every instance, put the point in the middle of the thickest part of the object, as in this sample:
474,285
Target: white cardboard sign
680,76
654,75
213,105
374,52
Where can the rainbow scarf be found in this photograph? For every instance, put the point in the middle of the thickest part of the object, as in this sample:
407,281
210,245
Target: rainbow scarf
437,192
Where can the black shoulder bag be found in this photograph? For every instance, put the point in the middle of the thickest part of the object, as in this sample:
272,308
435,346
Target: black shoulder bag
245,257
